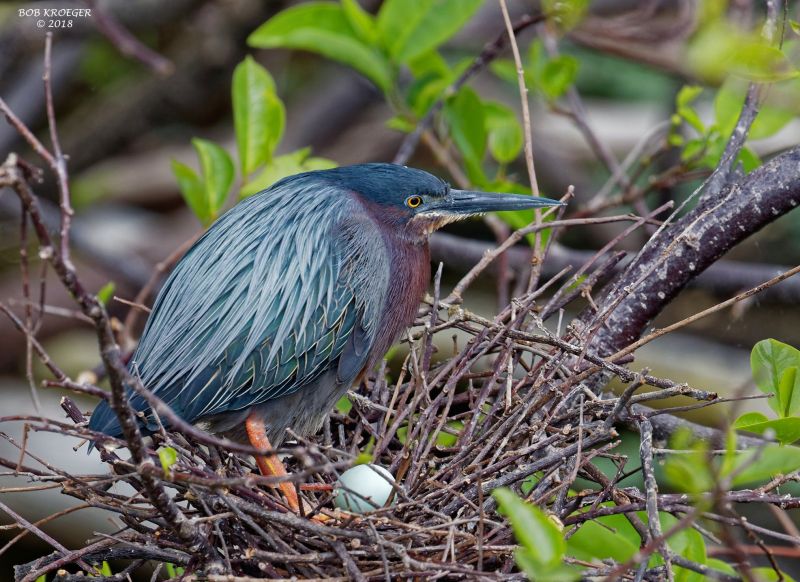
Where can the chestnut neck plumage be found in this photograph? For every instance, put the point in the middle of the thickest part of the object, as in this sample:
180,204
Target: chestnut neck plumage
410,267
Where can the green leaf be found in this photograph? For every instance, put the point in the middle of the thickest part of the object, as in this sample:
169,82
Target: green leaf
466,118
675,140
366,456
763,64
687,543
168,457
795,26
567,13
106,292
688,470
505,69
505,132
217,170
691,117
749,419
424,91
683,106
430,63
282,166
786,386
720,50
687,95
729,458
763,464
535,571
557,75
343,405
535,532
692,149
174,571
362,22
749,160
192,190
402,434
769,361
728,105
446,439
258,114
767,574
400,124
607,537
42,578
323,27
413,27
787,430
721,566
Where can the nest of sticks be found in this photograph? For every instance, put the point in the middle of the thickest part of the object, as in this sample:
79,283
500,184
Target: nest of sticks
505,408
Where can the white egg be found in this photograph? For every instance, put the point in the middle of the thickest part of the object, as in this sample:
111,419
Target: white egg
364,488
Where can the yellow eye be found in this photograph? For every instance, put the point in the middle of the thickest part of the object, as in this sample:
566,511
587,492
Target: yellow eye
413,201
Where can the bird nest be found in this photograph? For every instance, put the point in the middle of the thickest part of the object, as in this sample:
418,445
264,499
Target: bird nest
504,408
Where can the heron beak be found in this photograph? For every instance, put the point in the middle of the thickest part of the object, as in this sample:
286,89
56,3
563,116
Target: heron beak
467,202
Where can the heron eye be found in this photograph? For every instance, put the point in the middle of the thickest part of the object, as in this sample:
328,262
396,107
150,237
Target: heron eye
413,201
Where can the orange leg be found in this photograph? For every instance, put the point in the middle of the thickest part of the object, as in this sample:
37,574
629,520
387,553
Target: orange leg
270,465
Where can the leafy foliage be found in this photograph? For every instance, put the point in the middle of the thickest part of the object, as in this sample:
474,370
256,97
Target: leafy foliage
258,115
775,371
542,546
106,292
405,36
205,194
695,470
259,118
168,457
324,28
720,49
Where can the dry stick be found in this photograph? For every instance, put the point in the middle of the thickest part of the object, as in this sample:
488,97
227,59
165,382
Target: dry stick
538,256
516,236
39,533
706,312
26,293
651,492
42,521
523,93
60,165
128,44
638,221
27,134
112,358
44,357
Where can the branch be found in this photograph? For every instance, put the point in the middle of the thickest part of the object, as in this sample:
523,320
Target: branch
682,251
11,176
725,277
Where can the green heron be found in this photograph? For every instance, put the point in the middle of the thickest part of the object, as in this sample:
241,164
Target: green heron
291,297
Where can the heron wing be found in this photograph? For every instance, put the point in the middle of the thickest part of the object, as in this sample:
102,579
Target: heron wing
265,303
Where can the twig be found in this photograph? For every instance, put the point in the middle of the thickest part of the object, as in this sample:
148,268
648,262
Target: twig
128,44
655,334
59,161
523,93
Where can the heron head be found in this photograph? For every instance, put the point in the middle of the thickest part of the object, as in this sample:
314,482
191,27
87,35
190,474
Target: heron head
418,203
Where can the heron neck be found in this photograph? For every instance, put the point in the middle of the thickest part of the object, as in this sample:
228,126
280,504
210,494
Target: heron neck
409,266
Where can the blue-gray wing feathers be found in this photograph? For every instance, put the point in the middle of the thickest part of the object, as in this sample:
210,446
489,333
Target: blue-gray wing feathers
263,304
